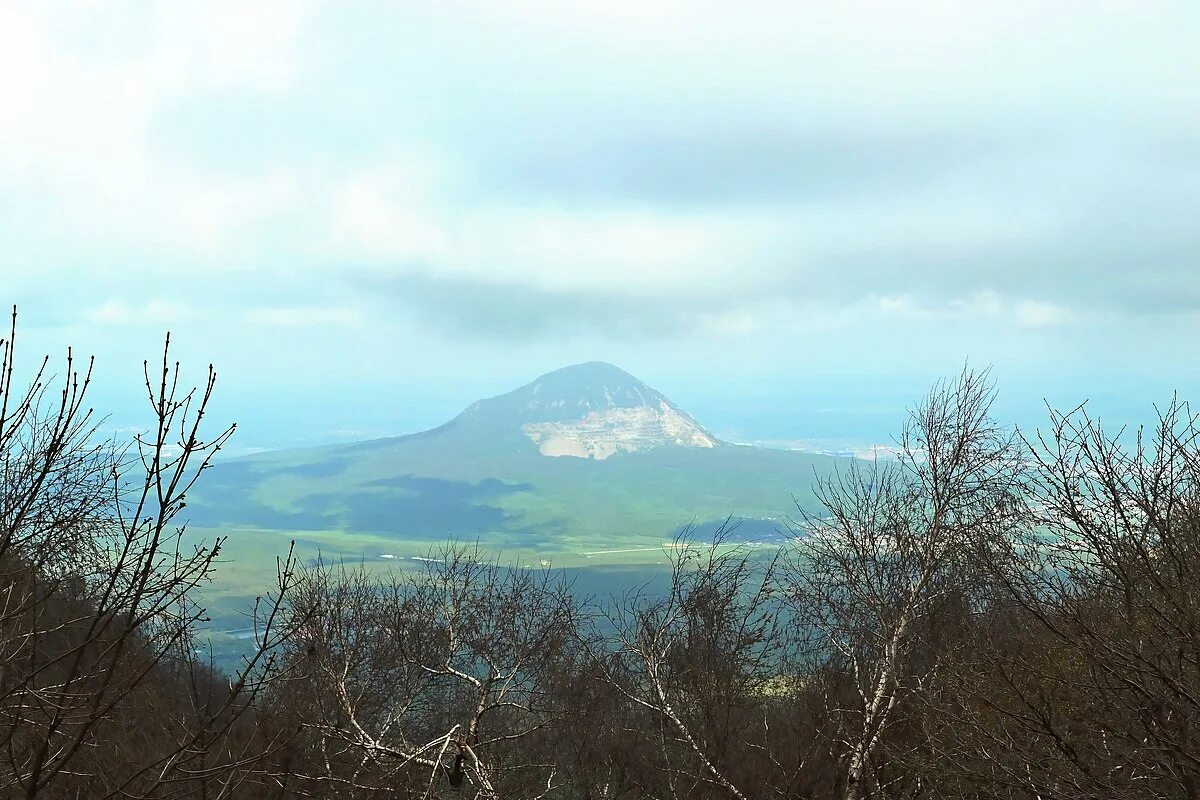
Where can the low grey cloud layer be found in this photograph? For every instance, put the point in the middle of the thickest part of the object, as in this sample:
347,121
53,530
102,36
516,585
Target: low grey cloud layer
742,165
513,312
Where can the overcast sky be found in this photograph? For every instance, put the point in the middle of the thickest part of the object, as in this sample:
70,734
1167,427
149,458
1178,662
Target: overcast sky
788,217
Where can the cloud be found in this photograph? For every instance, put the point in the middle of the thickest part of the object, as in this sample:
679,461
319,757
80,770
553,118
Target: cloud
1034,314
456,307
303,317
392,228
77,118
470,309
625,169
154,312
388,213
1028,240
981,306
753,165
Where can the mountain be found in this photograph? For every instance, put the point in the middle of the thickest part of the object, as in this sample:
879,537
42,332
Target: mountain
592,410
584,465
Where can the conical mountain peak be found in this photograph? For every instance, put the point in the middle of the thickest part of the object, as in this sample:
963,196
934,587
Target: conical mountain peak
589,410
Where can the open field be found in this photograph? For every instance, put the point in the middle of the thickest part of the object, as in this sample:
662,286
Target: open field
249,555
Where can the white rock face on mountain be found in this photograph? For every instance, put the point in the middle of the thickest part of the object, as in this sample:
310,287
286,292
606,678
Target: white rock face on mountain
604,433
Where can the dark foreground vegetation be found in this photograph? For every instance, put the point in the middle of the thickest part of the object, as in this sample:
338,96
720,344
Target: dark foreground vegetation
990,615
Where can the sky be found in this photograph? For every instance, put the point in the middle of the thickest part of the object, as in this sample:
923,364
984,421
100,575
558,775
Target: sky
789,217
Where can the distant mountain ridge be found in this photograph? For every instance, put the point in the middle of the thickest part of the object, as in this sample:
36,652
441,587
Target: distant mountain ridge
590,410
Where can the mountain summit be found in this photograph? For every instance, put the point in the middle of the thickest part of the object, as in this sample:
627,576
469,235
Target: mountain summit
591,410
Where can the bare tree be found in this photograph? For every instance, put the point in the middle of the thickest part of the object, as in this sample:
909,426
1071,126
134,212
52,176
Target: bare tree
706,661
433,679
96,599
1087,671
892,548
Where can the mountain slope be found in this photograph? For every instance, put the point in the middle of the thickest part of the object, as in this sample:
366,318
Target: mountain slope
576,460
